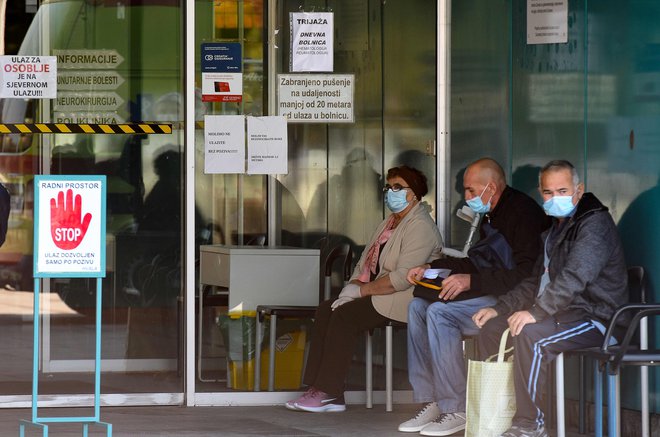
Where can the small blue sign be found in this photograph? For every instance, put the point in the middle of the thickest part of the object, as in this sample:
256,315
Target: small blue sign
221,57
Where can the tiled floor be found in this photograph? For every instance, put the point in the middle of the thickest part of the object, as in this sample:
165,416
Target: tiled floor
223,421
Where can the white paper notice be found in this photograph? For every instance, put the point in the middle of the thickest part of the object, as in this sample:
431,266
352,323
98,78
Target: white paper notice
267,145
316,98
224,144
312,45
547,21
28,77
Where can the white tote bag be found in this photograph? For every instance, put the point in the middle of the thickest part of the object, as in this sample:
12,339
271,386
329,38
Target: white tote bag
491,400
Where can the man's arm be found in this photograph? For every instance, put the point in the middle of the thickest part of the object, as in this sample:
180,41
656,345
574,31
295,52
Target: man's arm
522,231
522,295
589,253
456,265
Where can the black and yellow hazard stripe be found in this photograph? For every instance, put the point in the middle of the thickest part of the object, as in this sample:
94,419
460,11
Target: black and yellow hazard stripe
82,128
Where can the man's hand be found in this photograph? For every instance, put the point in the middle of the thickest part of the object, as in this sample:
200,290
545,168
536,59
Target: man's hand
416,273
518,320
454,285
483,315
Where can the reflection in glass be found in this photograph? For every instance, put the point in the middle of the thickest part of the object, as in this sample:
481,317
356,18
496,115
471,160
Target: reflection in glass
142,289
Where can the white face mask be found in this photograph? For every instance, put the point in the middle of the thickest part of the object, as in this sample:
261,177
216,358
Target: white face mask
559,206
477,205
396,200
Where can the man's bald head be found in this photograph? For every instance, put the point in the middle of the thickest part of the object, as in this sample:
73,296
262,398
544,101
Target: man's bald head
487,170
485,178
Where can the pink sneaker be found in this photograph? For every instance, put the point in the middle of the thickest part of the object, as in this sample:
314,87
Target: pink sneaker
316,401
291,405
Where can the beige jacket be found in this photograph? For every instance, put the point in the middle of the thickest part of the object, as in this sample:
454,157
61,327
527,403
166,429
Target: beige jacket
415,241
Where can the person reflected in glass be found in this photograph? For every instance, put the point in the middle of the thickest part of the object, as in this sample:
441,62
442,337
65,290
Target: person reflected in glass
377,291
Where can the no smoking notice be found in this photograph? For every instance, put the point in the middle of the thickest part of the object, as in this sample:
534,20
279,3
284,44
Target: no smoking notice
316,98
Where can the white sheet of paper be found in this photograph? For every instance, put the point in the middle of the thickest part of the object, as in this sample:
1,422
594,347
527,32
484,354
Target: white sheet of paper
267,145
28,77
436,273
224,144
316,98
547,22
312,41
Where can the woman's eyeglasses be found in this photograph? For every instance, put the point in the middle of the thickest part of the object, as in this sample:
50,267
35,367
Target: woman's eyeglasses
395,187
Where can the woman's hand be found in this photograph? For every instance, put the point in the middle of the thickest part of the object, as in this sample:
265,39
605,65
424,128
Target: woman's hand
416,273
351,290
339,302
348,293
483,315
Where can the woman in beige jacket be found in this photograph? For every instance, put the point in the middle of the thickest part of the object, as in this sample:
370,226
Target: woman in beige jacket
377,291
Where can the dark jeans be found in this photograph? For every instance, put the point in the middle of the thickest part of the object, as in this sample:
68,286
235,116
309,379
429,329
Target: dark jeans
333,340
536,346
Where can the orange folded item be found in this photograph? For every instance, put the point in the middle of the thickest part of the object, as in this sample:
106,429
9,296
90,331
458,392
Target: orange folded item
428,285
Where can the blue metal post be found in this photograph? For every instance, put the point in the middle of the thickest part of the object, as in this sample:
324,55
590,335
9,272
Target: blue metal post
35,351
612,425
97,359
598,400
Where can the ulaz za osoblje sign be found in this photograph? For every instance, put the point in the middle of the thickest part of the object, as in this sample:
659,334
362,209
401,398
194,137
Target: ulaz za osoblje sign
28,77
70,226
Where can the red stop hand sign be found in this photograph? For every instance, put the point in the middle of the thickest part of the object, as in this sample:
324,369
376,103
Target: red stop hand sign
66,226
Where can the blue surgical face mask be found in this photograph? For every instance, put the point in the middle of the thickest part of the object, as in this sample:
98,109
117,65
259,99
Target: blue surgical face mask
559,206
396,200
477,205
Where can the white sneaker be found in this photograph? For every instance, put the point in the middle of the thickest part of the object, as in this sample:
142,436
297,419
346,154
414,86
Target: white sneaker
516,431
446,424
426,415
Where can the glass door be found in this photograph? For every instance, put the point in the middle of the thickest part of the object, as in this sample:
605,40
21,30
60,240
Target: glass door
332,191
117,62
